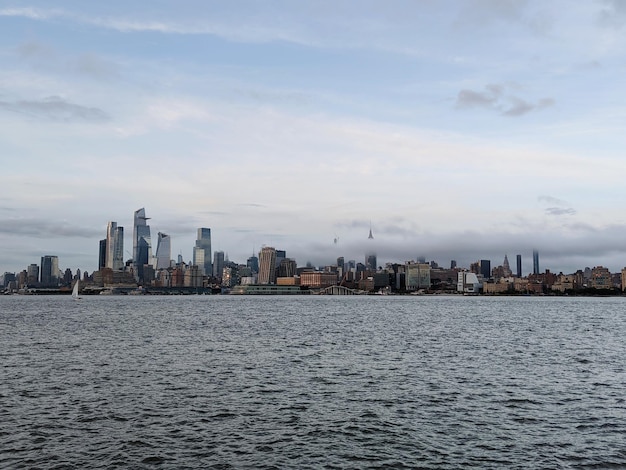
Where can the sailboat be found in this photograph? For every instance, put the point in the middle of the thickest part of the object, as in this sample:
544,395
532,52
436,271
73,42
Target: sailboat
75,291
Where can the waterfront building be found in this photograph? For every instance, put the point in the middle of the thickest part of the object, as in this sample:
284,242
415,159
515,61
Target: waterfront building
468,283
417,276
255,289
267,265
519,265
49,271
142,244
114,257
318,279
564,283
535,262
623,279
164,251
202,251
600,278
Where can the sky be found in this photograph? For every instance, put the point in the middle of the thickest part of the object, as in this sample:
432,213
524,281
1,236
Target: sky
460,130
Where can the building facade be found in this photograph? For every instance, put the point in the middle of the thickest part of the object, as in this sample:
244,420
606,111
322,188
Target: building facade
164,251
114,254
202,251
142,244
49,271
267,265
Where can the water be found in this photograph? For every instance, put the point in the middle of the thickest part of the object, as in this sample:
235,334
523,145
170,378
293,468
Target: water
312,382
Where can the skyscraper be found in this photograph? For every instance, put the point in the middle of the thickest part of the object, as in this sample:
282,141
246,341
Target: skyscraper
535,262
267,265
519,265
49,271
506,268
253,264
102,254
202,251
218,264
370,262
114,247
164,251
485,268
142,244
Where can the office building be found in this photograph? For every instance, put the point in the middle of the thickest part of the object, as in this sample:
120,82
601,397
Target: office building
102,254
218,264
142,244
370,262
253,264
519,265
485,268
114,247
267,265
32,275
202,251
49,271
535,262
164,251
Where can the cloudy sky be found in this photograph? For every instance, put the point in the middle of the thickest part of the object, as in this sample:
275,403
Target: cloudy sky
458,129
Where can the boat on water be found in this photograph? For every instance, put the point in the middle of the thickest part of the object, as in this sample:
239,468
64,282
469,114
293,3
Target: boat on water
75,295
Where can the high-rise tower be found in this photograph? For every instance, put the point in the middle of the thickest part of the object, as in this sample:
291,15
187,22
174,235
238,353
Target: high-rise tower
218,264
49,271
267,265
114,254
142,244
164,251
519,266
535,262
506,268
202,251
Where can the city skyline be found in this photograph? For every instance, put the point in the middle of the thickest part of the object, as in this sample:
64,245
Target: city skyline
454,130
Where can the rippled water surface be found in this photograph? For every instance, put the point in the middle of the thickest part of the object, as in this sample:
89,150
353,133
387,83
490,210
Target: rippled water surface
312,382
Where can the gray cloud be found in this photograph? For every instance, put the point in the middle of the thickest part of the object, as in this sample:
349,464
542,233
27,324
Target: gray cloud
55,109
583,247
560,211
557,207
41,228
613,14
495,98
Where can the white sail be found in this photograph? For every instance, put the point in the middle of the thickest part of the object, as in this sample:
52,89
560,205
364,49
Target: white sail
75,291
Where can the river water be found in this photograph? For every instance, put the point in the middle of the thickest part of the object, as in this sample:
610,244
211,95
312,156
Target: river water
312,382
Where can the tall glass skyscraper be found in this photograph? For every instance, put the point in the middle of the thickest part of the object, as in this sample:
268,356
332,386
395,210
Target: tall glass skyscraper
114,247
142,244
163,251
267,265
218,264
202,251
49,271
535,262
